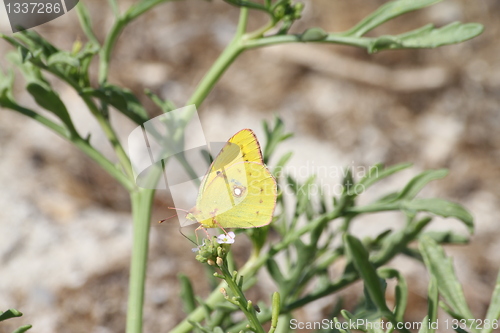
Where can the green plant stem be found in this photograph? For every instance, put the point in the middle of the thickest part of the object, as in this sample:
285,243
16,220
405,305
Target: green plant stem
105,53
114,6
362,42
242,301
226,58
121,22
242,22
142,200
112,137
84,17
260,32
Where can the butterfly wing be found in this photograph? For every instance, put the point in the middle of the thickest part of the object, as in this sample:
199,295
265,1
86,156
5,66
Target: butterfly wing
242,197
238,191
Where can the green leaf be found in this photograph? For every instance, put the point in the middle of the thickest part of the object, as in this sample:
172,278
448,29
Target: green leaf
249,4
386,12
50,100
35,42
292,184
397,241
274,136
424,328
359,256
275,312
64,58
429,323
401,290
29,70
313,35
217,329
187,294
274,271
446,237
6,83
164,105
258,236
23,329
338,323
442,208
377,173
278,169
433,302
441,268
86,22
10,313
428,37
419,182
493,313
121,99
304,196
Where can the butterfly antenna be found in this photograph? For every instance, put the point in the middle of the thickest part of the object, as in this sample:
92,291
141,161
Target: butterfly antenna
168,218
182,210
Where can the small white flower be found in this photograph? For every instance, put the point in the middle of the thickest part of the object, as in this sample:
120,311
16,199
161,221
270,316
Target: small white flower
195,249
226,239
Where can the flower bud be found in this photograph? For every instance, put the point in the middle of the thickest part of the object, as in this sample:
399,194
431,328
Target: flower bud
220,262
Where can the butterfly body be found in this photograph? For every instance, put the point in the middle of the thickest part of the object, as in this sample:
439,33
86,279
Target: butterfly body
238,190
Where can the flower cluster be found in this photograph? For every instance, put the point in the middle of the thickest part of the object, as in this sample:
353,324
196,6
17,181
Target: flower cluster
215,249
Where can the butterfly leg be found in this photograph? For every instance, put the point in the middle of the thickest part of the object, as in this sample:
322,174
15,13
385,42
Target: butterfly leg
218,224
204,229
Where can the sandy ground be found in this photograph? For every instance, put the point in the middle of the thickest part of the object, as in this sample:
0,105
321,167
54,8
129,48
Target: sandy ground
65,225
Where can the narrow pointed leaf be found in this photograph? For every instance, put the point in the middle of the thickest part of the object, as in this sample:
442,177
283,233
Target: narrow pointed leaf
446,237
433,302
63,58
493,313
275,312
441,268
50,100
313,35
278,170
419,182
23,329
442,208
187,294
377,173
401,290
121,99
428,37
386,12
359,256
11,313
275,271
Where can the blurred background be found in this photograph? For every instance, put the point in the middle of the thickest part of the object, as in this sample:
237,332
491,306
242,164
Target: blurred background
65,225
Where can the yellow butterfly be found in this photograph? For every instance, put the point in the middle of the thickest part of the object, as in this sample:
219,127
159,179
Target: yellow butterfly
238,190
